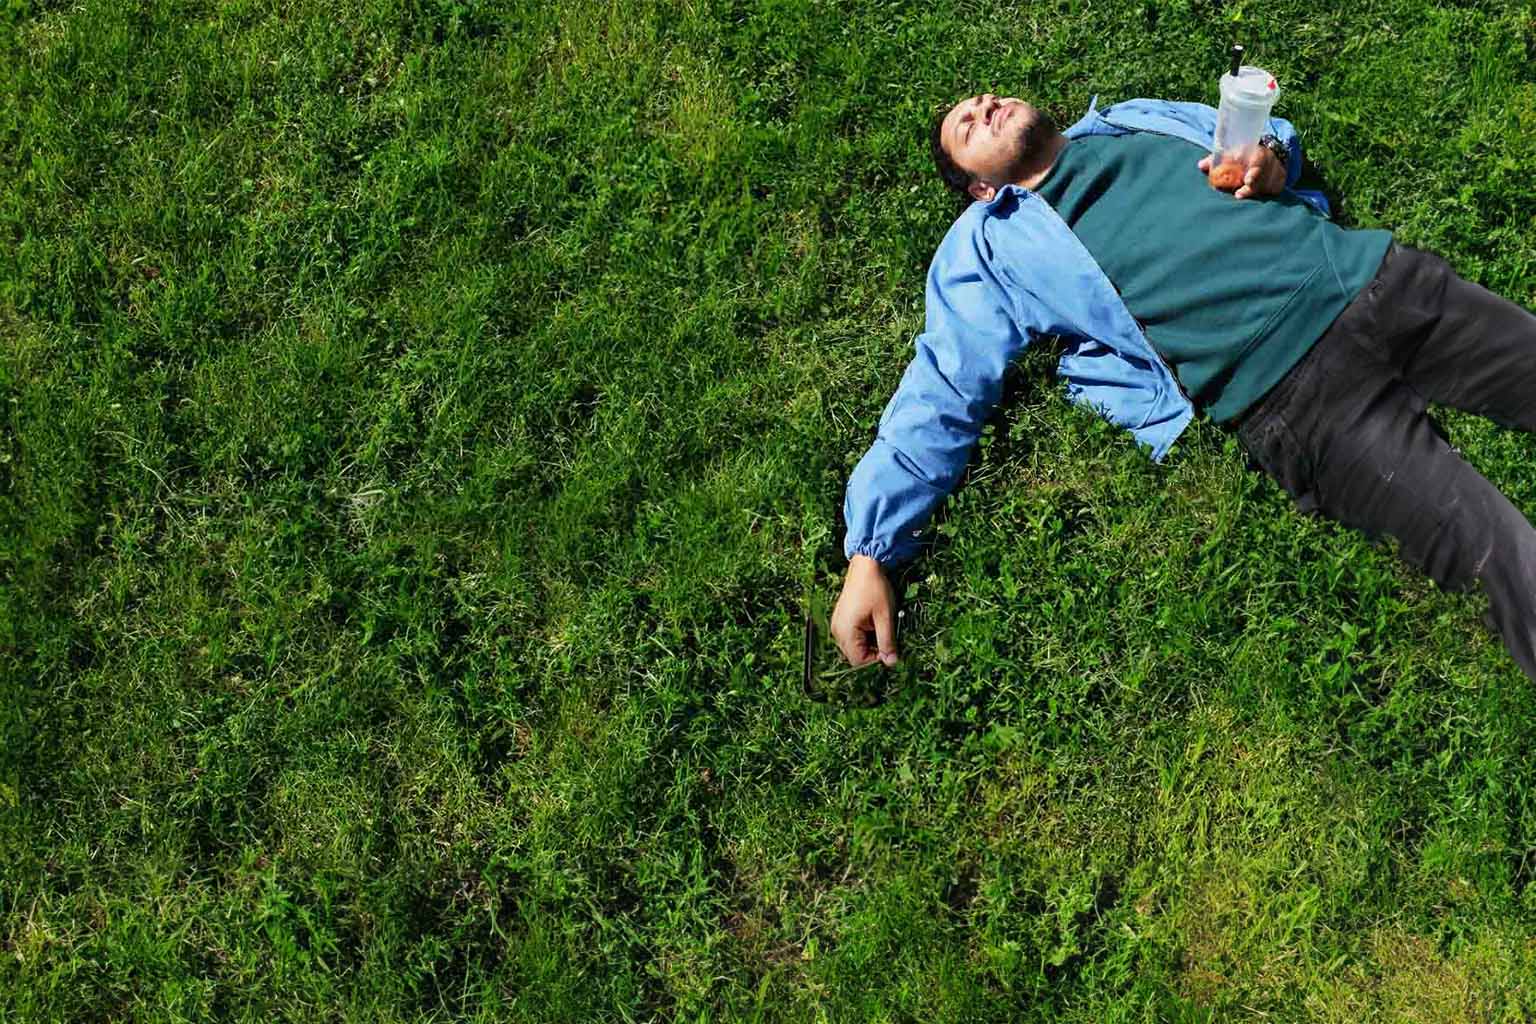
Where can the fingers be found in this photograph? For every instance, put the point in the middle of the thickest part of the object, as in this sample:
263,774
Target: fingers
857,649
864,607
852,636
854,644
1265,176
1257,179
1250,182
885,634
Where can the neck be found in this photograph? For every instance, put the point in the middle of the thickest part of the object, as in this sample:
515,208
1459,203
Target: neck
1047,161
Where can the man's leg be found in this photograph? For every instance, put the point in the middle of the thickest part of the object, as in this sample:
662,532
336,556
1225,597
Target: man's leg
1407,482
1345,437
1456,342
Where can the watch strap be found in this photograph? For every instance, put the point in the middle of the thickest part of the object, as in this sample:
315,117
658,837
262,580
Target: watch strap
1274,144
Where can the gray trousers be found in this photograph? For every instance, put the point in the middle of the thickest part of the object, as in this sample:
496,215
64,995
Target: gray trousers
1346,432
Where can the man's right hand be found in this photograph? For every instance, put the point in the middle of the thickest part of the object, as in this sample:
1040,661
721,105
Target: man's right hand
867,605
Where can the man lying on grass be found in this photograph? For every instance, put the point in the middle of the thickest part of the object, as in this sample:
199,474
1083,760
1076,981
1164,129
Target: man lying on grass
1320,346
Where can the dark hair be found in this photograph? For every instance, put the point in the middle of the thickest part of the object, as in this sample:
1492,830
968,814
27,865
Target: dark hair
952,174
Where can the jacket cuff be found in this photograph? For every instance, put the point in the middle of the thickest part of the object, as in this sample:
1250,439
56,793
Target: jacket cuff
886,553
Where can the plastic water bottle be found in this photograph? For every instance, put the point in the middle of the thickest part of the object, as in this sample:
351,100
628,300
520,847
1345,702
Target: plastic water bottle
1247,96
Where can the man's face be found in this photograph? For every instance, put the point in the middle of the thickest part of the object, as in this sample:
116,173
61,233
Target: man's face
993,139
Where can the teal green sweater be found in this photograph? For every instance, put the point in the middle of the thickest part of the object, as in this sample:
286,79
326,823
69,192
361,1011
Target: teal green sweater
1231,293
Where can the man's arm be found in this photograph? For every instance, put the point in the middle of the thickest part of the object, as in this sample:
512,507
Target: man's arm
927,432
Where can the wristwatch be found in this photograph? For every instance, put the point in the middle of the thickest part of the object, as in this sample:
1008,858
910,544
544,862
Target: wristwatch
1281,150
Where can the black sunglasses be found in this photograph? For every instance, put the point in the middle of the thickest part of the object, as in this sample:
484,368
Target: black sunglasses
827,678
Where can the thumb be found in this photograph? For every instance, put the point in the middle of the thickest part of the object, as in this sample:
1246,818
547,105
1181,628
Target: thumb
885,633
1205,163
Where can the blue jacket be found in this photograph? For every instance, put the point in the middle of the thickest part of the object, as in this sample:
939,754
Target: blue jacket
1008,271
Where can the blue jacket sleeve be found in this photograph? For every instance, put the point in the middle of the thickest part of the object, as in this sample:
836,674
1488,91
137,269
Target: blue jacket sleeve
931,424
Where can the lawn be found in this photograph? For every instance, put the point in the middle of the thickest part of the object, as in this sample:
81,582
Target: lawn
423,424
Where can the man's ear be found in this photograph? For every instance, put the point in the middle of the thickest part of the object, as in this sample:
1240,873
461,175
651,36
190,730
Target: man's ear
981,190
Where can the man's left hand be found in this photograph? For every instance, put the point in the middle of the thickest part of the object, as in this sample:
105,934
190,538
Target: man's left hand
1265,175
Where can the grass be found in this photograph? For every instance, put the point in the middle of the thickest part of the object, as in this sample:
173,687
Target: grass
425,420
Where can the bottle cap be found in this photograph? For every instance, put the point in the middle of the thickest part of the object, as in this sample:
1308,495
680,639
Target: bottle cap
1250,85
